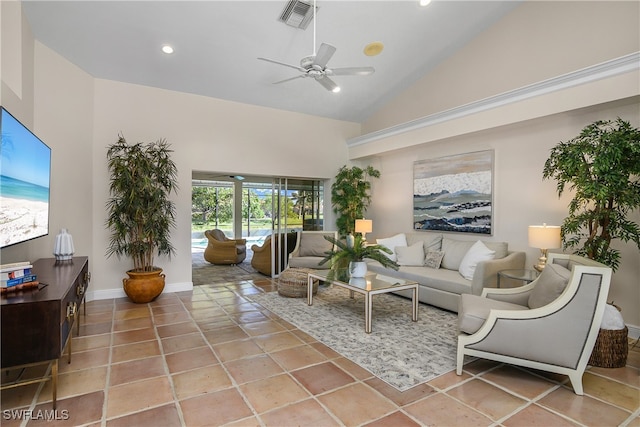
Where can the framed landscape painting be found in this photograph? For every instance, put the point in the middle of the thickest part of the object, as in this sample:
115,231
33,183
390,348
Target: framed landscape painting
454,193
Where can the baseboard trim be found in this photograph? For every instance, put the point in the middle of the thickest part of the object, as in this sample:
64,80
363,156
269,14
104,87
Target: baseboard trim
101,294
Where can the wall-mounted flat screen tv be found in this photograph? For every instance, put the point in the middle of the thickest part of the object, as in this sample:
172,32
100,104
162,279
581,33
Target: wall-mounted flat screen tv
25,173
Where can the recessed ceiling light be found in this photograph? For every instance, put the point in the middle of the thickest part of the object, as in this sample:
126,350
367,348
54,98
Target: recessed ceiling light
167,49
336,89
424,2
373,49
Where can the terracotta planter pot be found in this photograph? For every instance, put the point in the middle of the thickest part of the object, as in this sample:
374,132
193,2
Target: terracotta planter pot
143,286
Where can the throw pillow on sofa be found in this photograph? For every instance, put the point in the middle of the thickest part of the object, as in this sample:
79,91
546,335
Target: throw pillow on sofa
392,243
454,251
431,241
410,255
314,245
478,252
549,285
433,259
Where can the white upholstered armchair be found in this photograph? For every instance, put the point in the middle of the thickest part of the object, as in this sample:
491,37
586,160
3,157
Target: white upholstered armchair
550,324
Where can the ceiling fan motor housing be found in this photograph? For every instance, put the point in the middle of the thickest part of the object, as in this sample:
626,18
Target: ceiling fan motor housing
307,62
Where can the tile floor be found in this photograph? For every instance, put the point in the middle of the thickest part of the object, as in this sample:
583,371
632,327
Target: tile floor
210,357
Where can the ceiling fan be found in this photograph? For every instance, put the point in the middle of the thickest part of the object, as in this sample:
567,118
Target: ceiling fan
315,66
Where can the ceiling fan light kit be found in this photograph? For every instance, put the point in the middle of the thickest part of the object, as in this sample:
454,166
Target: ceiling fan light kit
315,65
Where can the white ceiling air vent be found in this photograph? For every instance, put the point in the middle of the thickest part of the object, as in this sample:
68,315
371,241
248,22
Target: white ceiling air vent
297,14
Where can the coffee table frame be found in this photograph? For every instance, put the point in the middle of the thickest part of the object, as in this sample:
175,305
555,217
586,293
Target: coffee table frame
374,285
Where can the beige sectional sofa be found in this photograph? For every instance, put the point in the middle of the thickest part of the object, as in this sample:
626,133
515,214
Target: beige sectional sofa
442,283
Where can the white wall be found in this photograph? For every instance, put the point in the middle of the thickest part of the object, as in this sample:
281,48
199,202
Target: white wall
79,116
521,197
207,135
538,40
54,99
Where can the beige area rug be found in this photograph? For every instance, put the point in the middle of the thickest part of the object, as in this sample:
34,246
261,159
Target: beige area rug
400,352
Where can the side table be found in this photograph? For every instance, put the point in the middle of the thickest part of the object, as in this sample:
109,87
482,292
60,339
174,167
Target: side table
525,275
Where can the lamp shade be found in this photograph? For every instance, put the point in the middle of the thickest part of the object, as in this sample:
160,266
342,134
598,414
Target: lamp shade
545,236
364,226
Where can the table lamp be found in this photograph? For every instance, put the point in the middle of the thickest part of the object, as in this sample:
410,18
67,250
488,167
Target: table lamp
544,237
364,226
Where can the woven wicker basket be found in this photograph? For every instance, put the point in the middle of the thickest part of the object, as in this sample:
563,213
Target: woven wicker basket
293,283
611,349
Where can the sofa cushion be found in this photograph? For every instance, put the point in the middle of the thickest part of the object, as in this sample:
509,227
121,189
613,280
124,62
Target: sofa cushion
308,262
454,251
391,243
433,259
477,253
410,255
431,241
549,285
314,244
473,311
501,248
440,279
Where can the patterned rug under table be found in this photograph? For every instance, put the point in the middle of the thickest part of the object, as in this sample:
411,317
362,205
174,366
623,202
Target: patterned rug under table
400,352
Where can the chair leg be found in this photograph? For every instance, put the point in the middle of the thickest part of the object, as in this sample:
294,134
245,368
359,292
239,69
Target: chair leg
576,382
459,358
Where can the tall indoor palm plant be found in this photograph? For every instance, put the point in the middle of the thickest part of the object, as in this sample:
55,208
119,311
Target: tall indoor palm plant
351,196
602,167
140,213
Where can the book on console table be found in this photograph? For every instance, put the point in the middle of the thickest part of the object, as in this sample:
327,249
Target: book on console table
17,281
15,266
14,274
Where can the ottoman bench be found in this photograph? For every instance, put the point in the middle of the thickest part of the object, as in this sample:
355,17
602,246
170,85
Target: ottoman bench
293,283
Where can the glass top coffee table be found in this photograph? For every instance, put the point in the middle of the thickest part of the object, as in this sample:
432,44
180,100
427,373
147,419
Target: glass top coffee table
370,285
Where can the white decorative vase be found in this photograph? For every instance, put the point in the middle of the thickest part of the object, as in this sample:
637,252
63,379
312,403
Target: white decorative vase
357,268
63,248
350,240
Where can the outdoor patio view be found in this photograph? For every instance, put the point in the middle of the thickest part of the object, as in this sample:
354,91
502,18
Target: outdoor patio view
264,206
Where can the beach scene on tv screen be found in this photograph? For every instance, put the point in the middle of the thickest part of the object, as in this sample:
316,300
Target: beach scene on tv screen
25,164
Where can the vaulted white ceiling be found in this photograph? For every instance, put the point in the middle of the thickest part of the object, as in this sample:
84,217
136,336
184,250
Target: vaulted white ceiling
217,44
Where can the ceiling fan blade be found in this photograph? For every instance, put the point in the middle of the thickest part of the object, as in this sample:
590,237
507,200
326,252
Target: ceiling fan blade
324,54
286,65
329,84
350,71
289,79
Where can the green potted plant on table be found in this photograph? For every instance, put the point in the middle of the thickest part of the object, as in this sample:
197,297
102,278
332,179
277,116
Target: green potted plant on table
140,213
350,196
602,167
353,256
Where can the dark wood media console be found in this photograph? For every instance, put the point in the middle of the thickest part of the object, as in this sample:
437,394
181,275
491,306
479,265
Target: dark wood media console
37,323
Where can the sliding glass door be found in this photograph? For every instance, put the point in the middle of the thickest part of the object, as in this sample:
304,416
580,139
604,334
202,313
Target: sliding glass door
254,208
296,205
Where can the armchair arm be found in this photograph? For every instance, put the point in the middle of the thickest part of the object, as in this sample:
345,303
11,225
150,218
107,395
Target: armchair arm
258,249
486,274
518,296
296,250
